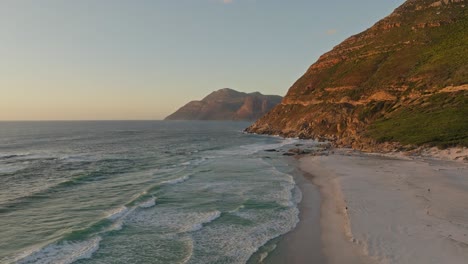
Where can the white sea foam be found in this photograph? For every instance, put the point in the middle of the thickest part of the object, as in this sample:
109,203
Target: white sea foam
11,168
263,256
282,176
117,213
187,258
288,194
284,197
23,255
195,162
62,253
204,219
176,180
187,209
118,225
149,203
177,222
237,209
297,195
238,242
254,148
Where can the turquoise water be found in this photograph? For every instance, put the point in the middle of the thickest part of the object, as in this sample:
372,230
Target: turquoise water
140,192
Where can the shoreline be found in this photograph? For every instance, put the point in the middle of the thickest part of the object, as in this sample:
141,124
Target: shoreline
390,209
302,244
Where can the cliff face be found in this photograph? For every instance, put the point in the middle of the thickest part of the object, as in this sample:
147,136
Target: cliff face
395,82
227,104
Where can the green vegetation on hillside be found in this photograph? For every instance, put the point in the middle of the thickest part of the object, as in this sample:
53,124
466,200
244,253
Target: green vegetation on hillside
386,83
420,57
439,120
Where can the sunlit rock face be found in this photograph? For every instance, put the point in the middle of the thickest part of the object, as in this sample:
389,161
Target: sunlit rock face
405,62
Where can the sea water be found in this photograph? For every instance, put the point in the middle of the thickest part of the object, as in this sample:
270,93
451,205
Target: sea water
141,192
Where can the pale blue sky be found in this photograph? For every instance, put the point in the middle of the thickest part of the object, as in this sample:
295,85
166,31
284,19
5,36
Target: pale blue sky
142,59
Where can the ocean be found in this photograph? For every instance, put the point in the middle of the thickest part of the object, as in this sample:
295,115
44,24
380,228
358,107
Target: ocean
142,192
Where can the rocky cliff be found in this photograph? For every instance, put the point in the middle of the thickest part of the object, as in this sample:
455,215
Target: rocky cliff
402,82
227,104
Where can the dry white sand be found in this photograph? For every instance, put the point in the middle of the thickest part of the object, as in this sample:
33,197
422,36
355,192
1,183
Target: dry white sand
388,210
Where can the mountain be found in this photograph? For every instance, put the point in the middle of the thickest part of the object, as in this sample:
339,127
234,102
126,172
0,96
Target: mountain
401,83
227,104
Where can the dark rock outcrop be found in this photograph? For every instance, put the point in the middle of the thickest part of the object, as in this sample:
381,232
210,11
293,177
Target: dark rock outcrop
227,104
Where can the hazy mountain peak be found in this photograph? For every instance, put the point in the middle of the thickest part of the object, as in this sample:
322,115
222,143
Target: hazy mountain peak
227,104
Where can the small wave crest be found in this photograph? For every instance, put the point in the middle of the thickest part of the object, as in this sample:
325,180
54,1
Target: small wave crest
289,195
172,220
72,248
65,252
237,209
11,168
9,156
149,203
241,241
250,149
78,158
176,180
17,155
205,219
117,213
195,162
44,189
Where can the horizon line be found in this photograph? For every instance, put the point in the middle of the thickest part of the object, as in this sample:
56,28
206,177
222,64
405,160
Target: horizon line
112,120
77,120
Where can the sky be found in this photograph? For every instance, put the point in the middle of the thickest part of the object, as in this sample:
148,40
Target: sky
143,59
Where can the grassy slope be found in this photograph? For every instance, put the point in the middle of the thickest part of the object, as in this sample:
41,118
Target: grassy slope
441,60
424,59
439,120
442,119
435,57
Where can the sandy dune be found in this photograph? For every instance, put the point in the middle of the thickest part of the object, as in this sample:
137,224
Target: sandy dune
387,210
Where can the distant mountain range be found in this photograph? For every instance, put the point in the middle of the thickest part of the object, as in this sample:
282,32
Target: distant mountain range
227,104
401,83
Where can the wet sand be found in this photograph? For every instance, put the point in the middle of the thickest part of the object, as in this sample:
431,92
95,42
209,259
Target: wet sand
303,244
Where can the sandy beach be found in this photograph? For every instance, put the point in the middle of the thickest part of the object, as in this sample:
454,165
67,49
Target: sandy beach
303,243
391,209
